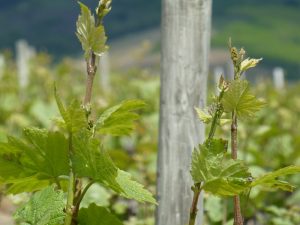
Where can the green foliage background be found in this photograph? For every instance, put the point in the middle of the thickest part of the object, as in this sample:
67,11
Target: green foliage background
268,28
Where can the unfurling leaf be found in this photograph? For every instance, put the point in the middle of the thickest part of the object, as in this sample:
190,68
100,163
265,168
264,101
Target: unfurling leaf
97,215
103,8
249,63
118,120
239,99
271,179
45,207
218,174
91,35
207,118
203,116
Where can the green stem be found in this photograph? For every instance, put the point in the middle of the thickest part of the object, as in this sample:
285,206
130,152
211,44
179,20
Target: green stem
71,187
217,116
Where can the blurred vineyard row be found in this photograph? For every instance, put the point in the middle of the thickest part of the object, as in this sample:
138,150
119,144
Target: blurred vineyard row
269,141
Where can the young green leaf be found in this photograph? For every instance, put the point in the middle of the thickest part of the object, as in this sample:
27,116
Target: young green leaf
91,35
74,117
131,189
97,215
90,160
40,161
239,99
118,120
48,152
271,179
45,207
219,174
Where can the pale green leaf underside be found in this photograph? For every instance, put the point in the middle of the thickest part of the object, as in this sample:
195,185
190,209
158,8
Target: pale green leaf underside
97,215
118,120
239,99
44,208
91,37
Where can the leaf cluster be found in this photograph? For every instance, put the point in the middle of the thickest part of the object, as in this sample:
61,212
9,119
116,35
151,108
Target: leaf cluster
212,167
43,158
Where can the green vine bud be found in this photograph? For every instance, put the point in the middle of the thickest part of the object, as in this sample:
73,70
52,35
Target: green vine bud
103,9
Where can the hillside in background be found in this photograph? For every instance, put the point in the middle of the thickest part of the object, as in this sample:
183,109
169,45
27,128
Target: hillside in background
267,28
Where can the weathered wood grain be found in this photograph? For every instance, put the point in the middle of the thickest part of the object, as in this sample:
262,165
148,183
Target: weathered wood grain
184,67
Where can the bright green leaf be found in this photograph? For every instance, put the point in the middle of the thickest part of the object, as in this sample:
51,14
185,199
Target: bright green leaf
97,215
48,152
118,120
239,99
45,207
218,174
40,161
271,179
131,189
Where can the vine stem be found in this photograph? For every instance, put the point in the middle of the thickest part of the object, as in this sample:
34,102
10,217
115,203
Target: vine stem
238,218
77,205
75,194
193,211
76,183
91,71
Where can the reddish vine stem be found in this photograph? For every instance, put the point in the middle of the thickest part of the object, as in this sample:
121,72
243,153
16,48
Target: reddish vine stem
238,217
91,72
194,209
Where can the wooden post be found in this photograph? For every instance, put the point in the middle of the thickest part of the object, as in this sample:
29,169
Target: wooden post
24,54
104,70
278,78
185,42
2,65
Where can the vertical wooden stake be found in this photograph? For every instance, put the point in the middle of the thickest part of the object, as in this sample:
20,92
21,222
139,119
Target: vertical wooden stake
278,78
185,34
